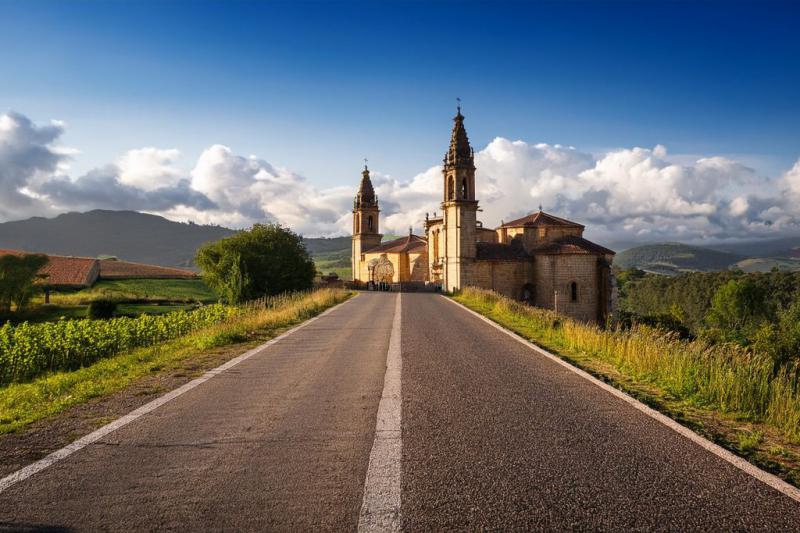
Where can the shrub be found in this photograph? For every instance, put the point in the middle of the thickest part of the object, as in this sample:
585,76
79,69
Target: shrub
102,309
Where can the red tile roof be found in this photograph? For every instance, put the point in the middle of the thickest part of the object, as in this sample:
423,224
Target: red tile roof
540,218
65,271
115,269
411,243
572,245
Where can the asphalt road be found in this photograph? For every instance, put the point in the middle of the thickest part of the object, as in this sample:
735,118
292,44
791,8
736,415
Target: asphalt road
494,436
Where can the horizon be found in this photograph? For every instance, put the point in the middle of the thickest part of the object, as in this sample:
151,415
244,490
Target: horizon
688,136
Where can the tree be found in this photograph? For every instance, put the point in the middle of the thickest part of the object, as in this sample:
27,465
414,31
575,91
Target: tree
264,260
18,276
738,309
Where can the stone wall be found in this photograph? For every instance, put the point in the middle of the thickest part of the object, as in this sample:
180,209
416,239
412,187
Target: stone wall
554,277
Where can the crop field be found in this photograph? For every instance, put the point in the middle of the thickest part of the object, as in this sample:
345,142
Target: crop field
44,376
27,350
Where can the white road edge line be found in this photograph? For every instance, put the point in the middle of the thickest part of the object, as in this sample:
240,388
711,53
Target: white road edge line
380,509
740,463
98,434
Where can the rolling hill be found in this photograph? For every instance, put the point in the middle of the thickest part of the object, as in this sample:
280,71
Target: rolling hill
128,235
674,258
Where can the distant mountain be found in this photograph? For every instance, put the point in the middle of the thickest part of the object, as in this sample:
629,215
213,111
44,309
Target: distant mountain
674,258
129,235
784,247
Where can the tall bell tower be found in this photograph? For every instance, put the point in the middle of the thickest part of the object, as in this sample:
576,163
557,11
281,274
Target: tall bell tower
459,207
365,224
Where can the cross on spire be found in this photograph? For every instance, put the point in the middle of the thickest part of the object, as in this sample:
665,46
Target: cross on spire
365,164
458,104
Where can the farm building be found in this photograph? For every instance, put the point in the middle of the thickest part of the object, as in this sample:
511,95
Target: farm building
67,272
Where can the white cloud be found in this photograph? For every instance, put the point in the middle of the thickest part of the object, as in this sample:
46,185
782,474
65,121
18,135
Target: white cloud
624,194
149,168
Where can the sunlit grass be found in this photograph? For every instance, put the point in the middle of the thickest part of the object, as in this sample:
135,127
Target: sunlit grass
725,378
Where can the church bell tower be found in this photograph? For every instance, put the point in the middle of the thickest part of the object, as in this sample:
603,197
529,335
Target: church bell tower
365,224
459,207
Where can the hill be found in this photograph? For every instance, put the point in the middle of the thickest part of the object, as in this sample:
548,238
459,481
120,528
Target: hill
674,258
130,236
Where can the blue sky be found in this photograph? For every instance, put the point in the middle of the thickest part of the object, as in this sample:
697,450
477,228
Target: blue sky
315,87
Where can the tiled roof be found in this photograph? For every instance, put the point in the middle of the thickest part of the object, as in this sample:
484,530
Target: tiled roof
64,271
572,245
411,243
493,251
540,218
114,269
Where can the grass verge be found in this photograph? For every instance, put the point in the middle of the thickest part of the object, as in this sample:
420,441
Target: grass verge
725,393
24,403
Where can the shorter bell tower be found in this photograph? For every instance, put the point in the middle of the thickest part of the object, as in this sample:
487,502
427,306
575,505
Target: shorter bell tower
365,224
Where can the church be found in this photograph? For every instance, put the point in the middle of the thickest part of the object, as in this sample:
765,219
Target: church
540,259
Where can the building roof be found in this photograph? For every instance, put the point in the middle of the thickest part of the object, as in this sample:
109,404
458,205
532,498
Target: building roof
67,271
64,271
572,245
493,251
540,218
114,269
410,243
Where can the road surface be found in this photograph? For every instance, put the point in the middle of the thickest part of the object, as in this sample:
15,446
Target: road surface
494,436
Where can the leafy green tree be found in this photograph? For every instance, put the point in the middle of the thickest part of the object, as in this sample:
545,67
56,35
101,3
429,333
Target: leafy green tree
18,276
738,309
264,260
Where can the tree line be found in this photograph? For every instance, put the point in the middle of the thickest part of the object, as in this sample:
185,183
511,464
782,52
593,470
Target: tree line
760,311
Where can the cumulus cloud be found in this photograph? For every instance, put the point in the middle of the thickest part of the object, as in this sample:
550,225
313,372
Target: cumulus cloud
27,153
635,193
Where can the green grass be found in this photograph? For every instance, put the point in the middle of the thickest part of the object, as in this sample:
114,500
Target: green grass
722,378
337,261
174,290
24,403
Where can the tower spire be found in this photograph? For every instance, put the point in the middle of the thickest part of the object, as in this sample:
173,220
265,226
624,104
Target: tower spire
366,193
460,154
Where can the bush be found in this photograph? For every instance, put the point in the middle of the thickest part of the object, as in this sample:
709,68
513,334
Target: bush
102,309
266,260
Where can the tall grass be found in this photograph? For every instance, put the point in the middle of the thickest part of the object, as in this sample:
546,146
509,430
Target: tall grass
724,377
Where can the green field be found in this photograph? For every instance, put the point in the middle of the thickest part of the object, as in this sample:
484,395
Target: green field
138,290
337,261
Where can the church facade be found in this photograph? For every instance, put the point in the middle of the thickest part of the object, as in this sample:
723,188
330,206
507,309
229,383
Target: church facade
540,258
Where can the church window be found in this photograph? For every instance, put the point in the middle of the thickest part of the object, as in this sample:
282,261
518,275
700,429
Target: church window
464,188
369,222
357,224
450,188
573,291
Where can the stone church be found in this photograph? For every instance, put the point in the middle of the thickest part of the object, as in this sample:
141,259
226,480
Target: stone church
540,258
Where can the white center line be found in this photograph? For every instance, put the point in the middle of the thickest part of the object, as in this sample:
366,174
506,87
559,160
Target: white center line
380,510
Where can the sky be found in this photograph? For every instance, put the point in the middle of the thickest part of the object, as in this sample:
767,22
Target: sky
646,121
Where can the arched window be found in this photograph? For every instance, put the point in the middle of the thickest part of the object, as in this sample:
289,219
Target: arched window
450,188
464,189
369,223
573,291
357,224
